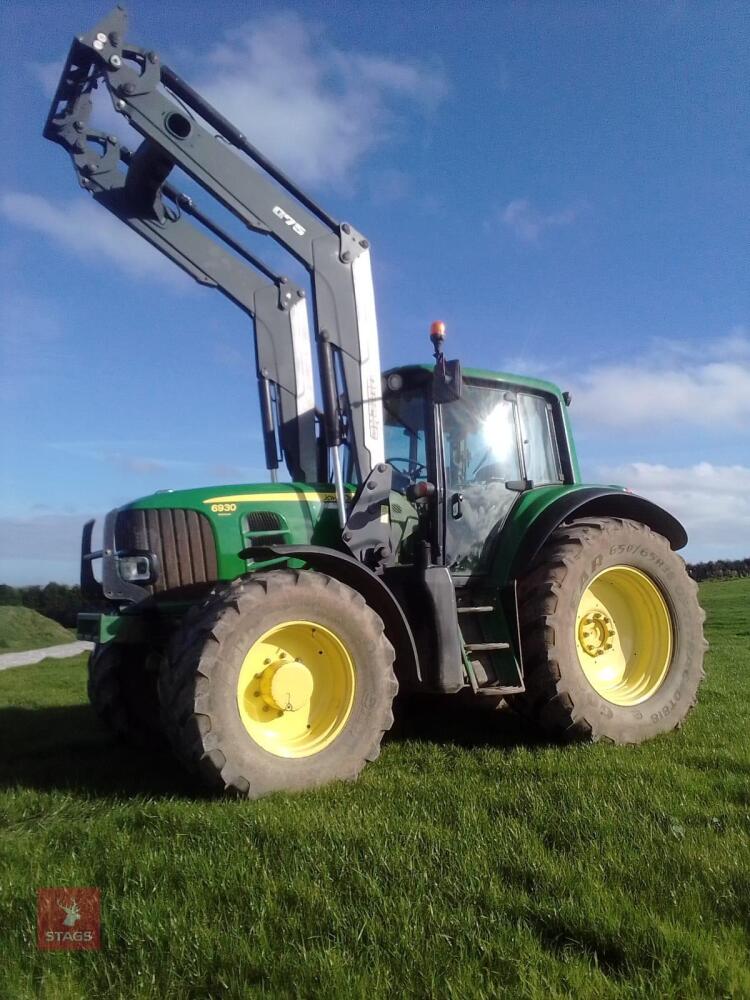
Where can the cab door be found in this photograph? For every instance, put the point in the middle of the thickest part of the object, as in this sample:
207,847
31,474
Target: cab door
493,438
481,452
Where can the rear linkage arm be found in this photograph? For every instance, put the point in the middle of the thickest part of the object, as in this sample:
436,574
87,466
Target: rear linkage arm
173,122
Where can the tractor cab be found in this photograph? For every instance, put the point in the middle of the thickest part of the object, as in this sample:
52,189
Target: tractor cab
467,458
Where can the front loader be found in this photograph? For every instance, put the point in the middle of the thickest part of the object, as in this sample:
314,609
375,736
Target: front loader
435,535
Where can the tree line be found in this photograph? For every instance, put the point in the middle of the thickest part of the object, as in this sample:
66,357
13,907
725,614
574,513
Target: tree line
61,602
720,569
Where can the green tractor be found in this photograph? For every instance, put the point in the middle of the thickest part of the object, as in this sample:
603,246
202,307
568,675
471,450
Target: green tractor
435,536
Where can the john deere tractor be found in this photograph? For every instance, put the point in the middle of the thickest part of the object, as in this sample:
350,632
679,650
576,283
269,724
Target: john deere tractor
435,535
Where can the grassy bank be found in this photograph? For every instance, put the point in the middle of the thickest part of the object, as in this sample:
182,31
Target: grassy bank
467,862
21,628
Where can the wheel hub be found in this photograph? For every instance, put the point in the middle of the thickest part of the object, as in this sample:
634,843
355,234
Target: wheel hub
286,686
596,631
624,635
295,688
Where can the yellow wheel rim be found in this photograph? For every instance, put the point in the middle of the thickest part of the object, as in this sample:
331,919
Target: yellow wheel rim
296,688
624,635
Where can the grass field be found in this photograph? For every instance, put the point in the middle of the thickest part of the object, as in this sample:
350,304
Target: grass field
468,862
22,628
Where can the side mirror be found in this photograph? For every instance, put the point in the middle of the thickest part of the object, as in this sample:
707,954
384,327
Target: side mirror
519,485
447,382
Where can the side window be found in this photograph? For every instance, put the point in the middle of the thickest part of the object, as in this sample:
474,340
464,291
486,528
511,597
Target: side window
539,447
405,437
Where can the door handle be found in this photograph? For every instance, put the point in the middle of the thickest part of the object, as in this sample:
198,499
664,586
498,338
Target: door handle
456,500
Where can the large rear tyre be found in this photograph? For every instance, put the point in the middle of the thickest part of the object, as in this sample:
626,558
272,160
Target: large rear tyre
122,689
612,634
284,681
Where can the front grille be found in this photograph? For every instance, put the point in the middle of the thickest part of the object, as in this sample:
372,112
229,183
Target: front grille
182,541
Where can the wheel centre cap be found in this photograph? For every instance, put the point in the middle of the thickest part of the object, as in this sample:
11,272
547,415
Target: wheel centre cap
596,633
286,685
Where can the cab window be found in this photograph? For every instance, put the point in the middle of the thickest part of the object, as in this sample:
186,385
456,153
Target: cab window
481,443
405,436
538,440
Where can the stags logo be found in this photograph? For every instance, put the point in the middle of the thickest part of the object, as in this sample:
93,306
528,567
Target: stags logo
67,919
292,223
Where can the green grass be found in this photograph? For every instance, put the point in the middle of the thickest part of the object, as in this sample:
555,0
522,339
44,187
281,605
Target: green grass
467,862
22,628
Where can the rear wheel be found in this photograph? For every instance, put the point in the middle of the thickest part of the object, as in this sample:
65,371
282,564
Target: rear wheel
612,633
284,681
122,689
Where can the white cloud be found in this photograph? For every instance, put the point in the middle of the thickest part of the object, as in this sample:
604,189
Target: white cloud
313,108
528,223
90,232
712,501
675,383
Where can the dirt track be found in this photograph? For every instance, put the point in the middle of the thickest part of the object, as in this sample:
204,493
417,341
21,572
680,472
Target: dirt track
8,660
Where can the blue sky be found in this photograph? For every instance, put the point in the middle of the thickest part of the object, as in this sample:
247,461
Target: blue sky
565,184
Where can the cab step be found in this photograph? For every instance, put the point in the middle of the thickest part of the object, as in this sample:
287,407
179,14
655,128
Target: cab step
483,647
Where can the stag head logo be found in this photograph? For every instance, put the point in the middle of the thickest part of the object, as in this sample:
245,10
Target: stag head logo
72,913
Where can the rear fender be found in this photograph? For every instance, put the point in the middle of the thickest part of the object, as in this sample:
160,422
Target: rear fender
590,501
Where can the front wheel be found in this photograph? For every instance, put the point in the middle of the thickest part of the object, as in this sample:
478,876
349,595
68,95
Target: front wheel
284,681
122,681
612,633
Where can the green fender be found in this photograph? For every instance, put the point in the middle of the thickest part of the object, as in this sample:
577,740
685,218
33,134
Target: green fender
538,513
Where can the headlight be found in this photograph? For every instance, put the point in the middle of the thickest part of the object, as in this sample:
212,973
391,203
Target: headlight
134,568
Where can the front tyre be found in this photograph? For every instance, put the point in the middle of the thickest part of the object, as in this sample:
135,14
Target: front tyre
122,682
284,682
612,633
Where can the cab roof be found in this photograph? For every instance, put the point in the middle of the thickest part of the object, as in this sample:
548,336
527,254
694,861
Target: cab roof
540,385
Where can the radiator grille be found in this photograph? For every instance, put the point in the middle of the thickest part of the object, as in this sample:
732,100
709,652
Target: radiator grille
182,541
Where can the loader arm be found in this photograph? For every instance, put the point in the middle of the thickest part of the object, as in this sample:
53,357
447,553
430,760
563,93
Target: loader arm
180,128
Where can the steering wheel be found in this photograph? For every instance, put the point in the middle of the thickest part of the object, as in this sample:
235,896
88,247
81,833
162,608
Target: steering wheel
414,471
